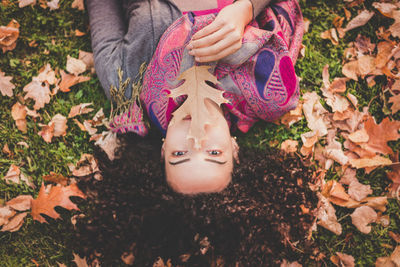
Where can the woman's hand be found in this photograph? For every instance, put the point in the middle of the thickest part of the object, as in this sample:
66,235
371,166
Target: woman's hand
224,35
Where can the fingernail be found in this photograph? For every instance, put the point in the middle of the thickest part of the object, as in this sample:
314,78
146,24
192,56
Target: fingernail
197,58
191,52
189,46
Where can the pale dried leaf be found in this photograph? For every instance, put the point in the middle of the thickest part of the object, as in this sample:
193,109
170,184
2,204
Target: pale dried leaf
24,3
327,217
289,146
80,109
20,203
80,262
48,75
53,4
5,213
351,70
78,4
13,174
39,92
6,87
85,166
395,100
14,223
109,143
362,217
47,132
198,92
370,162
343,260
360,20
9,35
75,66
87,58
60,125
358,191
385,9
360,136
366,64
69,80
18,112
89,128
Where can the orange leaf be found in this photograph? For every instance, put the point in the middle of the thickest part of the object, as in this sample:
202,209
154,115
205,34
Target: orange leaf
57,196
39,92
20,203
9,35
15,223
68,80
380,134
56,178
18,112
396,103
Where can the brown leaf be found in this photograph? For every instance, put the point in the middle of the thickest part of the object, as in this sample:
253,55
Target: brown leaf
289,146
292,116
384,53
60,125
53,4
314,113
363,44
366,65
80,109
358,191
6,87
392,261
15,223
18,112
69,80
24,3
39,92
88,127
385,9
343,260
80,125
360,20
362,216
9,35
20,203
13,174
87,58
78,33
80,262
395,236
197,91
395,100
331,35
338,85
108,142
360,136
78,4
349,175
128,258
56,178
57,196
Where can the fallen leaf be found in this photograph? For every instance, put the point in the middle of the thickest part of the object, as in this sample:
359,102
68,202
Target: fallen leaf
343,260
109,143
13,174
292,116
47,132
75,66
366,65
363,44
78,4
360,20
69,80
369,162
9,35
39,92
22,143
78,33
392,261
88,126
46,74
85,166
358,191
286,263
80,262
395,236
20,203
395,100
360,136
380,134
56,178
394,29
15,223
57,196
60,125
327,217
197,91
349,175
18,112
331,35
6,150
6,87
338,85
87,58
128,258
80,125
79,110
24,3
385,9
5,214
362,216
351,70
314,113
289,146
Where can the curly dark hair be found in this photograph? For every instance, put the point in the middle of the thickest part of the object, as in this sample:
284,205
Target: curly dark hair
254,222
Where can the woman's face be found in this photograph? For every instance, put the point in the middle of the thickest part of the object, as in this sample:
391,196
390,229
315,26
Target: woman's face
204,170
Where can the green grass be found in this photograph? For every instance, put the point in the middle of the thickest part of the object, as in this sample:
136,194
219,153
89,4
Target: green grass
53,31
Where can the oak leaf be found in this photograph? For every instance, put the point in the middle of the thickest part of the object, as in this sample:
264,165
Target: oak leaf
56,178
327,217
85,166
18,112
47,132
380,134
87,58
24,3
108,142
13,174
39,92
80,262
75,66
392,260
78,4
385,9
342,260
394,29
60,125
56,196
6,87
197,91
5,214
395,100
46,74
53,4
360,20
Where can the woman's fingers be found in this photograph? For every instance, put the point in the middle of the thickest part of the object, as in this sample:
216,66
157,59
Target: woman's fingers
208,57
209,40
207,30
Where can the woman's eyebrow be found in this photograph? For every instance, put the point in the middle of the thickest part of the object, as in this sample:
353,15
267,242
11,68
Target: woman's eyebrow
179,161
216,161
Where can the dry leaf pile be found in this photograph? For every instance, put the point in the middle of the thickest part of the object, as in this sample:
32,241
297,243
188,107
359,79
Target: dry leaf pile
365,143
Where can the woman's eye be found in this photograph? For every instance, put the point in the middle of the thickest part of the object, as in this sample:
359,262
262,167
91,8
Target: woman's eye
214,152
178,153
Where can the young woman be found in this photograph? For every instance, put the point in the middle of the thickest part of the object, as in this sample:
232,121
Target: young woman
250,47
